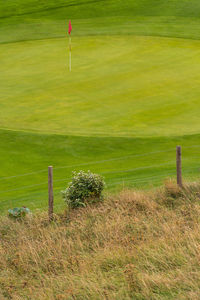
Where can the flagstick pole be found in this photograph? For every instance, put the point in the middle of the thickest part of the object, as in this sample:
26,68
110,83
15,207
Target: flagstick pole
70,54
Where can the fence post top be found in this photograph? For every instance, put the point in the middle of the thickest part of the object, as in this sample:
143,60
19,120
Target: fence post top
178,150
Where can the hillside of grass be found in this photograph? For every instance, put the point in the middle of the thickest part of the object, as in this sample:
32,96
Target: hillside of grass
132,95
27,20
138,162
102,7
136,245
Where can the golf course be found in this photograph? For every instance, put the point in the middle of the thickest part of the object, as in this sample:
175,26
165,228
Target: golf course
132,96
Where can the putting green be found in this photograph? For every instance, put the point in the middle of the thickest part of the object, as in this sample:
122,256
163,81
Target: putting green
132,96
119,86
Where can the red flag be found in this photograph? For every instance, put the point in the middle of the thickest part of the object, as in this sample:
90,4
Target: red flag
70,27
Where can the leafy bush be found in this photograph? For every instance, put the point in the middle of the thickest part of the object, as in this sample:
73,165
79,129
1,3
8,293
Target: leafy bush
18,212
84,188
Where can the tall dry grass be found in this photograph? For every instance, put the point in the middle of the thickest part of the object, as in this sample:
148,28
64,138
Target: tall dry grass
137,245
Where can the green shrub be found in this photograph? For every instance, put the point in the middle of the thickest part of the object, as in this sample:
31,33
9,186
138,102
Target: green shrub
18,212
84,188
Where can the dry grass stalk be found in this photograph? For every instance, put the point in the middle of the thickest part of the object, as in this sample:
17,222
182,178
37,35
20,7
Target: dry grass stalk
138,245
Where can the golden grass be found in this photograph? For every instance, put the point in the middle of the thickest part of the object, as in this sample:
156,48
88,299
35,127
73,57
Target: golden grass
137,245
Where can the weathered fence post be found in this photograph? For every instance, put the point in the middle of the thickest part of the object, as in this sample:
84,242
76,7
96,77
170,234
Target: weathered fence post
50,188
178,166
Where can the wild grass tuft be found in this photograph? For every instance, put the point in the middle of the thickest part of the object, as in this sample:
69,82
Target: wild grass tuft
133,246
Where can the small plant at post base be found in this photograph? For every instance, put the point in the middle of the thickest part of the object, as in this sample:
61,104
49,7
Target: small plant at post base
85,187
18,212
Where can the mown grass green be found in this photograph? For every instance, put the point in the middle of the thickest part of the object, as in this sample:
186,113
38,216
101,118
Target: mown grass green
133,89
121,85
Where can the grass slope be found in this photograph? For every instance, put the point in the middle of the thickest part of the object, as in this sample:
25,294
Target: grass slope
138,162
134,246
130,92
25,20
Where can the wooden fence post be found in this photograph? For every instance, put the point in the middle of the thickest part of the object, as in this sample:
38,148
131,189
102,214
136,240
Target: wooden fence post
50,188
178,166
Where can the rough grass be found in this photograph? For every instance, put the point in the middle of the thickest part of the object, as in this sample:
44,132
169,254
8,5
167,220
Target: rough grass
137,245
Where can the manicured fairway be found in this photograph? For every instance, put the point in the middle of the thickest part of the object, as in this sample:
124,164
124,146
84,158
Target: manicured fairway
132,96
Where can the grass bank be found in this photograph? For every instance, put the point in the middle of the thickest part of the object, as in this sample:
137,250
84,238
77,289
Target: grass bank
129,162
137,245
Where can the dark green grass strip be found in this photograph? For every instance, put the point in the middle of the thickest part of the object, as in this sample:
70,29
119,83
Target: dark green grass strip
131,162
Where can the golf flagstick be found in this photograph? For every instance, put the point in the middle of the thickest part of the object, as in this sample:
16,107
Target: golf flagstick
70,46
70,54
